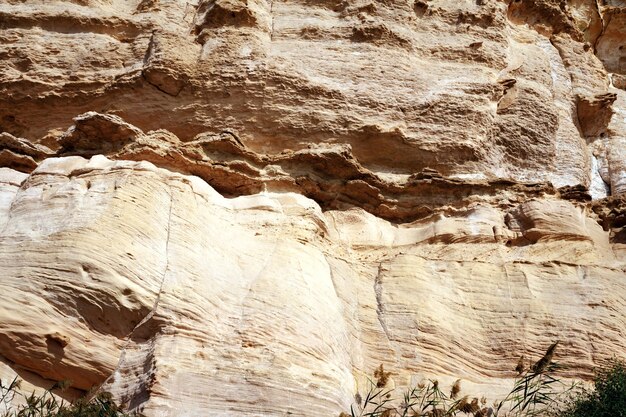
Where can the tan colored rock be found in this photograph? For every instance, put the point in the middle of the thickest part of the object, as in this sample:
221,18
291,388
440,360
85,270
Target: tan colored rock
176,298
234,207
21,154
420,82
328,173
10,182
610,42
616,146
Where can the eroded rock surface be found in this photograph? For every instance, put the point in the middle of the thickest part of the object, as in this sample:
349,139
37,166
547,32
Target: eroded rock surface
152,285
229,207
480,89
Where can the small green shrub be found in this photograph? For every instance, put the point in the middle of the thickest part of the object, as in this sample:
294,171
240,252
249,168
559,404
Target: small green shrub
47,405
606,399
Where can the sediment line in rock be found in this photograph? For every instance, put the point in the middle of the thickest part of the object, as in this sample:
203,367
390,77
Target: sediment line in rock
329,174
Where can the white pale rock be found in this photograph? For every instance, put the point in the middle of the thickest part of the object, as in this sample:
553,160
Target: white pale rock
243,207
181,302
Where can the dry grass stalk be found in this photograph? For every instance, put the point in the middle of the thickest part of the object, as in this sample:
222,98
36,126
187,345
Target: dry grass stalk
381,376
542,363
520,368
532,393
456,389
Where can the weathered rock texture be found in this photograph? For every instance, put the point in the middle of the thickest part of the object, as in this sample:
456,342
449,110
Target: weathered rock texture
241,207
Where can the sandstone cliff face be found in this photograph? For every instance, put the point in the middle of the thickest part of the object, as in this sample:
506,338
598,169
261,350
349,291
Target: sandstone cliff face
241,207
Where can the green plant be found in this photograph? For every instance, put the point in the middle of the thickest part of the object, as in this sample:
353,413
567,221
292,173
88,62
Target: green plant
47,404
606,399
535,392
425,400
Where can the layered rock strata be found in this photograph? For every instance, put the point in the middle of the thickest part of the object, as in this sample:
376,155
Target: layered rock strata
152,285
242,207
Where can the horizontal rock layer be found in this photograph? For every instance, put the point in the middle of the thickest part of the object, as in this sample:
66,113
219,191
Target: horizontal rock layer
229,207
150,284
473,89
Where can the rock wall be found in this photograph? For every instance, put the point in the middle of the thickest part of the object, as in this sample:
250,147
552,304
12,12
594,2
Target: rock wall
242,207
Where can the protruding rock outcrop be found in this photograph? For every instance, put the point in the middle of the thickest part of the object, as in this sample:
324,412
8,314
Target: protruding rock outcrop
330,173
594,113
21,154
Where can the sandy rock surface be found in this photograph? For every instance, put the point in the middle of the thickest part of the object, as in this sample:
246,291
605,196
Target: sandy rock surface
242,207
